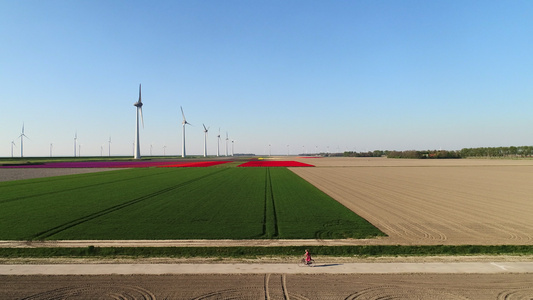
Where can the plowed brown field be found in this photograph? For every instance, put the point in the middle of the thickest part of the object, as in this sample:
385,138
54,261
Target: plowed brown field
424,202
269,286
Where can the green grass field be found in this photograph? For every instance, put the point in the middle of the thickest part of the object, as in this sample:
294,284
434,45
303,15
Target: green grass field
175,203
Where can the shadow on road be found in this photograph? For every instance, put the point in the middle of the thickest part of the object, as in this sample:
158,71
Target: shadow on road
327,265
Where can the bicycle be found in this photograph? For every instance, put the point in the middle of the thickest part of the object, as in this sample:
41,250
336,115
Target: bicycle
302,262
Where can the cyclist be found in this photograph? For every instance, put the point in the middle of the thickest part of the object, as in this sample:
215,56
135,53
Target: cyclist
307,257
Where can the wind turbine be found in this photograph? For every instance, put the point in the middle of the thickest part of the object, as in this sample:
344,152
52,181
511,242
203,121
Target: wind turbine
12,144
109,146
75,139
205,140
218,142
227,139
139,105
22,136
183,154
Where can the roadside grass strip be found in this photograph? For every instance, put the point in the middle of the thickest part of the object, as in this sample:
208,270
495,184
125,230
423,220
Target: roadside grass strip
198,164
174,203
261,252
270,163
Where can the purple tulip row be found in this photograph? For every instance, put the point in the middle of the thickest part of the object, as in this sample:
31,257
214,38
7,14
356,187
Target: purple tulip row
98,164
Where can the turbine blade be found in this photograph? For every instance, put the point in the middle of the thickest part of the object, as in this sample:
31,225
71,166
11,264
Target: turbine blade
140,93
205,129
183,115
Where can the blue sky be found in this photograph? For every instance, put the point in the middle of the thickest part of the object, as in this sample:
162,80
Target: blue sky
314,75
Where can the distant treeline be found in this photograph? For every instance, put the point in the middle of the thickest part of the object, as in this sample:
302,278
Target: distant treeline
512,151
406,154
520,151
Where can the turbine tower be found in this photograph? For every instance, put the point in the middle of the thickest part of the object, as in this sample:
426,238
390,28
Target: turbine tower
139,105
218,142
227,139
183,154
12,144
205,140
109,146
75,139
22,136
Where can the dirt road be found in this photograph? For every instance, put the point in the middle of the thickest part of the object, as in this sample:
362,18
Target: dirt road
266,268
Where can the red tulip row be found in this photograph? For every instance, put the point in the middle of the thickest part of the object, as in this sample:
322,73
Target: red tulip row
199,164
274,163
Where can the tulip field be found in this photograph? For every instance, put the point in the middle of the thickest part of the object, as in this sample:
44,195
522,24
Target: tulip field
168,202
116,164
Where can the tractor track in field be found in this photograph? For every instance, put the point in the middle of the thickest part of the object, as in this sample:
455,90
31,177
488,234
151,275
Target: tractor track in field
50,232
270,202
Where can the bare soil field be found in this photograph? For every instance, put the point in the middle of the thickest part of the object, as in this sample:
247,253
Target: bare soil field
270,286
426,202
393,162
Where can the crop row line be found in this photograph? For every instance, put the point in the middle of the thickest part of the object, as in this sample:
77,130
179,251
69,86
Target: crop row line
50,232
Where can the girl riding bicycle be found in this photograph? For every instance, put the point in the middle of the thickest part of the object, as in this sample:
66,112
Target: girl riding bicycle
307,257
